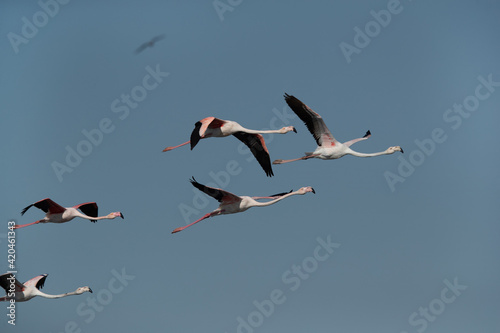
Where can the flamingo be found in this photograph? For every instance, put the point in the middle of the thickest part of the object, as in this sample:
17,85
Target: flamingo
214,127
150,43
328,147
31,288
231,203
58,214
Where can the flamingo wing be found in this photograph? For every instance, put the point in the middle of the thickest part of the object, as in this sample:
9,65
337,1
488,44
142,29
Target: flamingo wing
313,122
201,126
258,148
37,281
5,282
47,205
280,194
88,208
216,193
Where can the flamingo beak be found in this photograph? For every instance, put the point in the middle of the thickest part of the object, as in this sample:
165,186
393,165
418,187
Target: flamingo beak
313,191
294,130
121,215
402,152
90,290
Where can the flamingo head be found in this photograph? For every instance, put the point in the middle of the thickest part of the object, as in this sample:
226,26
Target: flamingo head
304,190
287,129
392,150
82,290
115,215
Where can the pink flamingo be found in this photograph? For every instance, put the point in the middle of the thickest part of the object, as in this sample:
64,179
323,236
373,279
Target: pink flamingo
231,203
213,127
58,214
22,292
328,147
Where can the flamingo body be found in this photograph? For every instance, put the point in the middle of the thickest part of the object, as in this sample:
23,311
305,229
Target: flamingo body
328,147
25,291
231,203
212,127
58,214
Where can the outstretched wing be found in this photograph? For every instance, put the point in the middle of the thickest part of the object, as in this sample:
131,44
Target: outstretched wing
47,205
37,281
88,208
5,283
216,193
201,126
313,121
258,148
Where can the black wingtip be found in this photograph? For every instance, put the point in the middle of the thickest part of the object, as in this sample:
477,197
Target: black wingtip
25,209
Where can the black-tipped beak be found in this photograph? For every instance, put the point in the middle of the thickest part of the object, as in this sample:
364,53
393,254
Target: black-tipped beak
294,130
402,151
313,190
90,290
121,215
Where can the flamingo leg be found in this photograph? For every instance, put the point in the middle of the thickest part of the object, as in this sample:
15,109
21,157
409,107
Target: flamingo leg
206,216
170,148
295,159
17,226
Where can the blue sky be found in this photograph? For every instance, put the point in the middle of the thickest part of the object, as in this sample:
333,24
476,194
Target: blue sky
413,237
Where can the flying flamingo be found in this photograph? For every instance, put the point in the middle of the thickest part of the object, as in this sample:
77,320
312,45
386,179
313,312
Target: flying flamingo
214,127
231,203
150,43
31,288
58,214
328,147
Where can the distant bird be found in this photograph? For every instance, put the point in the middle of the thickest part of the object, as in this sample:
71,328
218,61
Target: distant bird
58,214
213,127
328,147
231,203
31,288
151,43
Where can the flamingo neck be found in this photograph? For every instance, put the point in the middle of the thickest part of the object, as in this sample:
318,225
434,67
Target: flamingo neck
358,154
272,202
83,216
240,128
42,294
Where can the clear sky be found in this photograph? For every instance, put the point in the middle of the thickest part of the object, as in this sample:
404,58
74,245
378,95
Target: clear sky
398,243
